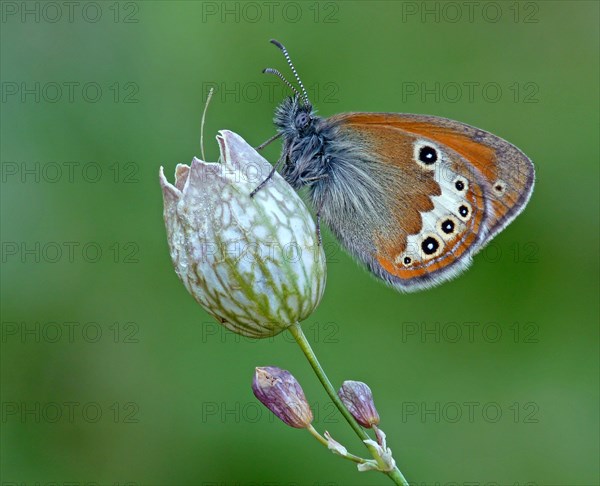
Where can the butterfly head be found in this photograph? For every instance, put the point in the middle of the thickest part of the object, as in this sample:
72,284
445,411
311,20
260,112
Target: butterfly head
294,118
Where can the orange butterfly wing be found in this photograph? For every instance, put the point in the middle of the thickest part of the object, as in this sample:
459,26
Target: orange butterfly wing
445,211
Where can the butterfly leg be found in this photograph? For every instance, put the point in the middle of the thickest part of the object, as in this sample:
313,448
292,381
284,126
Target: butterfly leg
262,184
312,179
319,209
319,228
267,142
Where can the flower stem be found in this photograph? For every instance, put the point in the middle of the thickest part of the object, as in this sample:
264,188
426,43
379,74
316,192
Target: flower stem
316,435
296,331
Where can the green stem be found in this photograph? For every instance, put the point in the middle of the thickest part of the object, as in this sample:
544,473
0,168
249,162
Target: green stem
317,436
296,331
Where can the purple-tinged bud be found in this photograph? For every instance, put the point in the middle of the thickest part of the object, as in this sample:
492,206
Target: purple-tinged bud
358,399
281,393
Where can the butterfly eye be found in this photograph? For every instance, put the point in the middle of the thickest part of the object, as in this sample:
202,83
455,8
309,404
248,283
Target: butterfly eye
302,120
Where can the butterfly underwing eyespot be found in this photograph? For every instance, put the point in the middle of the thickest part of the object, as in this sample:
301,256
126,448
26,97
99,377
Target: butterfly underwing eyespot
460,184
499,187
427,155
431,246
464,211
448,226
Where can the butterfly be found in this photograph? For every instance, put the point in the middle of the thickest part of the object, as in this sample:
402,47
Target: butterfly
413,197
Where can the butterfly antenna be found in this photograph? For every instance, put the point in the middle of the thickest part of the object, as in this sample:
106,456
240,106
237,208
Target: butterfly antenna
289,61
280,76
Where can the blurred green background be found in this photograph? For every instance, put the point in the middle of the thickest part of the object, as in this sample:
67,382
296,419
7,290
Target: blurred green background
111,374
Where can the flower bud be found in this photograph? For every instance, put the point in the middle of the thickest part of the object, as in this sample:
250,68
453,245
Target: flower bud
358,399
254,264
279,391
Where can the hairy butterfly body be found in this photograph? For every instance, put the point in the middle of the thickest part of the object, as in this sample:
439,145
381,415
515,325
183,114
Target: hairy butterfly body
413,197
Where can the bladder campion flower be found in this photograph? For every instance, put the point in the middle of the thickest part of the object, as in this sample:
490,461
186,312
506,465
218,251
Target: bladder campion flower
255,264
